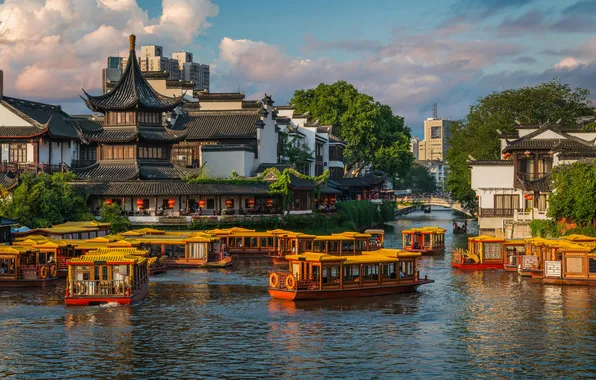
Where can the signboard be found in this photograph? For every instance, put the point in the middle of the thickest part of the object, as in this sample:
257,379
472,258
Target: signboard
528,261
552,269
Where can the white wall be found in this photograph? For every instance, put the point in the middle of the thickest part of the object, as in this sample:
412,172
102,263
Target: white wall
267,140
588,136
8,118
44,152
525,132
285,113
220,164
492,177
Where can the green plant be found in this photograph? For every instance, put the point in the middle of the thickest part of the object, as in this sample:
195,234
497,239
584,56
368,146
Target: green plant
113,214
545,228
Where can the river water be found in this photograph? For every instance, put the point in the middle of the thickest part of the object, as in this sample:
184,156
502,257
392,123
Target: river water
222,324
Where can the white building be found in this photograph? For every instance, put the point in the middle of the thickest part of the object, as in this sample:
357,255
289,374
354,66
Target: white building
415,147
516,188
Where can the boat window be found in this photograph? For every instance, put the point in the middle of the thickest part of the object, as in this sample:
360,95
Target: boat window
319,246
306,245
82,273
296,269
347,246
592,265
43,258
266,242
361,245
388,271
254,242
351,273
574,265
492,251
407,240
370,272
197,251
333,247
331,274
315,273
406,269
7,266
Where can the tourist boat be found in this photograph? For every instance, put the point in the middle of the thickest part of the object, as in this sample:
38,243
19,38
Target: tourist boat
288,242
457,229
26,267
113,277
313,276
201,251
570,263
248,243
513,250
377,238
426,240
485,253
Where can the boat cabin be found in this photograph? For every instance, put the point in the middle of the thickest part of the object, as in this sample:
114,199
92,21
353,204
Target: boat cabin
288,242
22,266
569,263
377,238
340,245
484,252
249,243
323,276
114,276
426,240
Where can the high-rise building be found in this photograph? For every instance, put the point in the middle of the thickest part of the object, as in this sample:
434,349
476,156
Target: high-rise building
436,135
192,71
415,147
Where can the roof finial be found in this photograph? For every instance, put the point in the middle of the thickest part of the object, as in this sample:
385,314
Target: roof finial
132,39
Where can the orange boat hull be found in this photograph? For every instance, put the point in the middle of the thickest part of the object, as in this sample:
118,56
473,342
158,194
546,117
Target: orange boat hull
97,300
346,293
484,266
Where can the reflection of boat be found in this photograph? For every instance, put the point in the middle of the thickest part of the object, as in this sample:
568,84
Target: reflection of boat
426,240
26,267
223,263
426,209
105,278
486,253
321,276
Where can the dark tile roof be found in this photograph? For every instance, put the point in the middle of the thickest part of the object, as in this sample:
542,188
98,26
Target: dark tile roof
323,128
335,139
108,172
543,184
283,120
566,141
367,180
189,85
131,91
112,135
491,163
43,117
251,104
281,167
286,107
86,125
577,155
156,74
211,125
228,148
219,96
297,183
267,100
157,188
192,105
157,171
161,134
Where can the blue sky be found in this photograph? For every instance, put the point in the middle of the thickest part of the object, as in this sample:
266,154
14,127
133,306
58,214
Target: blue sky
408,54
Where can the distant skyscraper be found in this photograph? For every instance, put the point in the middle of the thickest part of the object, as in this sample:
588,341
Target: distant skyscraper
192,71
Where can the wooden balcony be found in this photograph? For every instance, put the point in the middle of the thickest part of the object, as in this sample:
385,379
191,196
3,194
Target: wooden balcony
496,213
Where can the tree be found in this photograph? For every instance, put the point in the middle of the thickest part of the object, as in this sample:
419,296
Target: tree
293,152
43,200
574,196
113,214
418,179
477,135
373,134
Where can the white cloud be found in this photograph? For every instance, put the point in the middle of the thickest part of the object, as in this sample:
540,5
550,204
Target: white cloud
52,48
569,63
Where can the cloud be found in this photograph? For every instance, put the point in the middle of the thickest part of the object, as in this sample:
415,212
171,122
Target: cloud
525,60
487,8
409,74
569,63
531,21
313,44
581,7
52,48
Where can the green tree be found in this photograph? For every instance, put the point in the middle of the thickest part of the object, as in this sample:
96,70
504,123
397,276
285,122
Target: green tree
373,134
294,152
575,195
477,134
418,179
113,214
43,200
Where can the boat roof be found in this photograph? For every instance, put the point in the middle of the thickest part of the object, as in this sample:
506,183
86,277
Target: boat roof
393,253
200,239
63,230
375,231
125,251
14,250
379,256
430,229
514,242
115,257
577,237
356,235
486,239
84,223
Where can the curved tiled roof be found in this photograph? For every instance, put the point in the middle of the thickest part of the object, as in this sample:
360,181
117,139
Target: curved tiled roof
156,171
162,134
108,172
131,91
491,163
206,125
228,148
156,188
112,135
219,96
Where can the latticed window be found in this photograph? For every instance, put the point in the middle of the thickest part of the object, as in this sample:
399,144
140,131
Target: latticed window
492,251
18,153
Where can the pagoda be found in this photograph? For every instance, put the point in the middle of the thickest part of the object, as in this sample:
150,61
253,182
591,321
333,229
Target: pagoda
132,141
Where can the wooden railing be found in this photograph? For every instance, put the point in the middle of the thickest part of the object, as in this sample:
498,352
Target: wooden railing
99,288
496,212
16,167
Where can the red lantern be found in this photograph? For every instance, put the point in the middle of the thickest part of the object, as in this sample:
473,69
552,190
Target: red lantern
269,202
229,203
140,203
332,200
527,153
109,202
202,203
251,203
171,203
506,155
529,197
325,200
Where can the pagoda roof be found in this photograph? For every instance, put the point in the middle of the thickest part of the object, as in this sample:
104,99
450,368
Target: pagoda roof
157,188
129,170
213,125
132,91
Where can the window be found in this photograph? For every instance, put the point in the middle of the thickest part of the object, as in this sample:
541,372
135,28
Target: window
370,272
121,118
210,204
152,152
506,202
351,273
592,265
149,118
18,153
88,153
388,271
492,251
117,152
435,132
542,202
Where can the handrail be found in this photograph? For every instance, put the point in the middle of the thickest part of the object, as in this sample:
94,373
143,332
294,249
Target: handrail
82,288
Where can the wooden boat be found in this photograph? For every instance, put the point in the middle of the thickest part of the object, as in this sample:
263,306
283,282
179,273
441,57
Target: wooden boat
460,230
201,251
321,276
570,262
288,242
426,240
486,253
116,276
377,238
513,250
26,267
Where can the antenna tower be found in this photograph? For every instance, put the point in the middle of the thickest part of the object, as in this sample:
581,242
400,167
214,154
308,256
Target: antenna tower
435,114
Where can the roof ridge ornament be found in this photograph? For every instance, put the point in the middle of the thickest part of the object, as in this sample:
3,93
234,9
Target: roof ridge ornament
132,39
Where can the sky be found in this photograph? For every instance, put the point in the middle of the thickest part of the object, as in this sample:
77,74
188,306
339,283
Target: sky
407,54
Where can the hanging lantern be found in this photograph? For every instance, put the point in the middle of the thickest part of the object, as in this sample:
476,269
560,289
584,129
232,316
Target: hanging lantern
202,203
476,214
171,203
269,202
109,202
477,196
506,155
550,152
332,200
527,153
140,203
229,203
530,197
251,202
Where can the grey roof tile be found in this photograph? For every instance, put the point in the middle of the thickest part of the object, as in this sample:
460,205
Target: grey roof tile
207,125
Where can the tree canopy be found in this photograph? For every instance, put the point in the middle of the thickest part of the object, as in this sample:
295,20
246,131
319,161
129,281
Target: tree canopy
293,152
575,195
43,200
418,179
477,135
113,215
373,134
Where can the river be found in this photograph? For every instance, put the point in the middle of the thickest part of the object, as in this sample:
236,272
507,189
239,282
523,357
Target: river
222,324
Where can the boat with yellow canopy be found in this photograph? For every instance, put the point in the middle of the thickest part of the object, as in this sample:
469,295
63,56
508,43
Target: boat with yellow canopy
486,253
426,240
